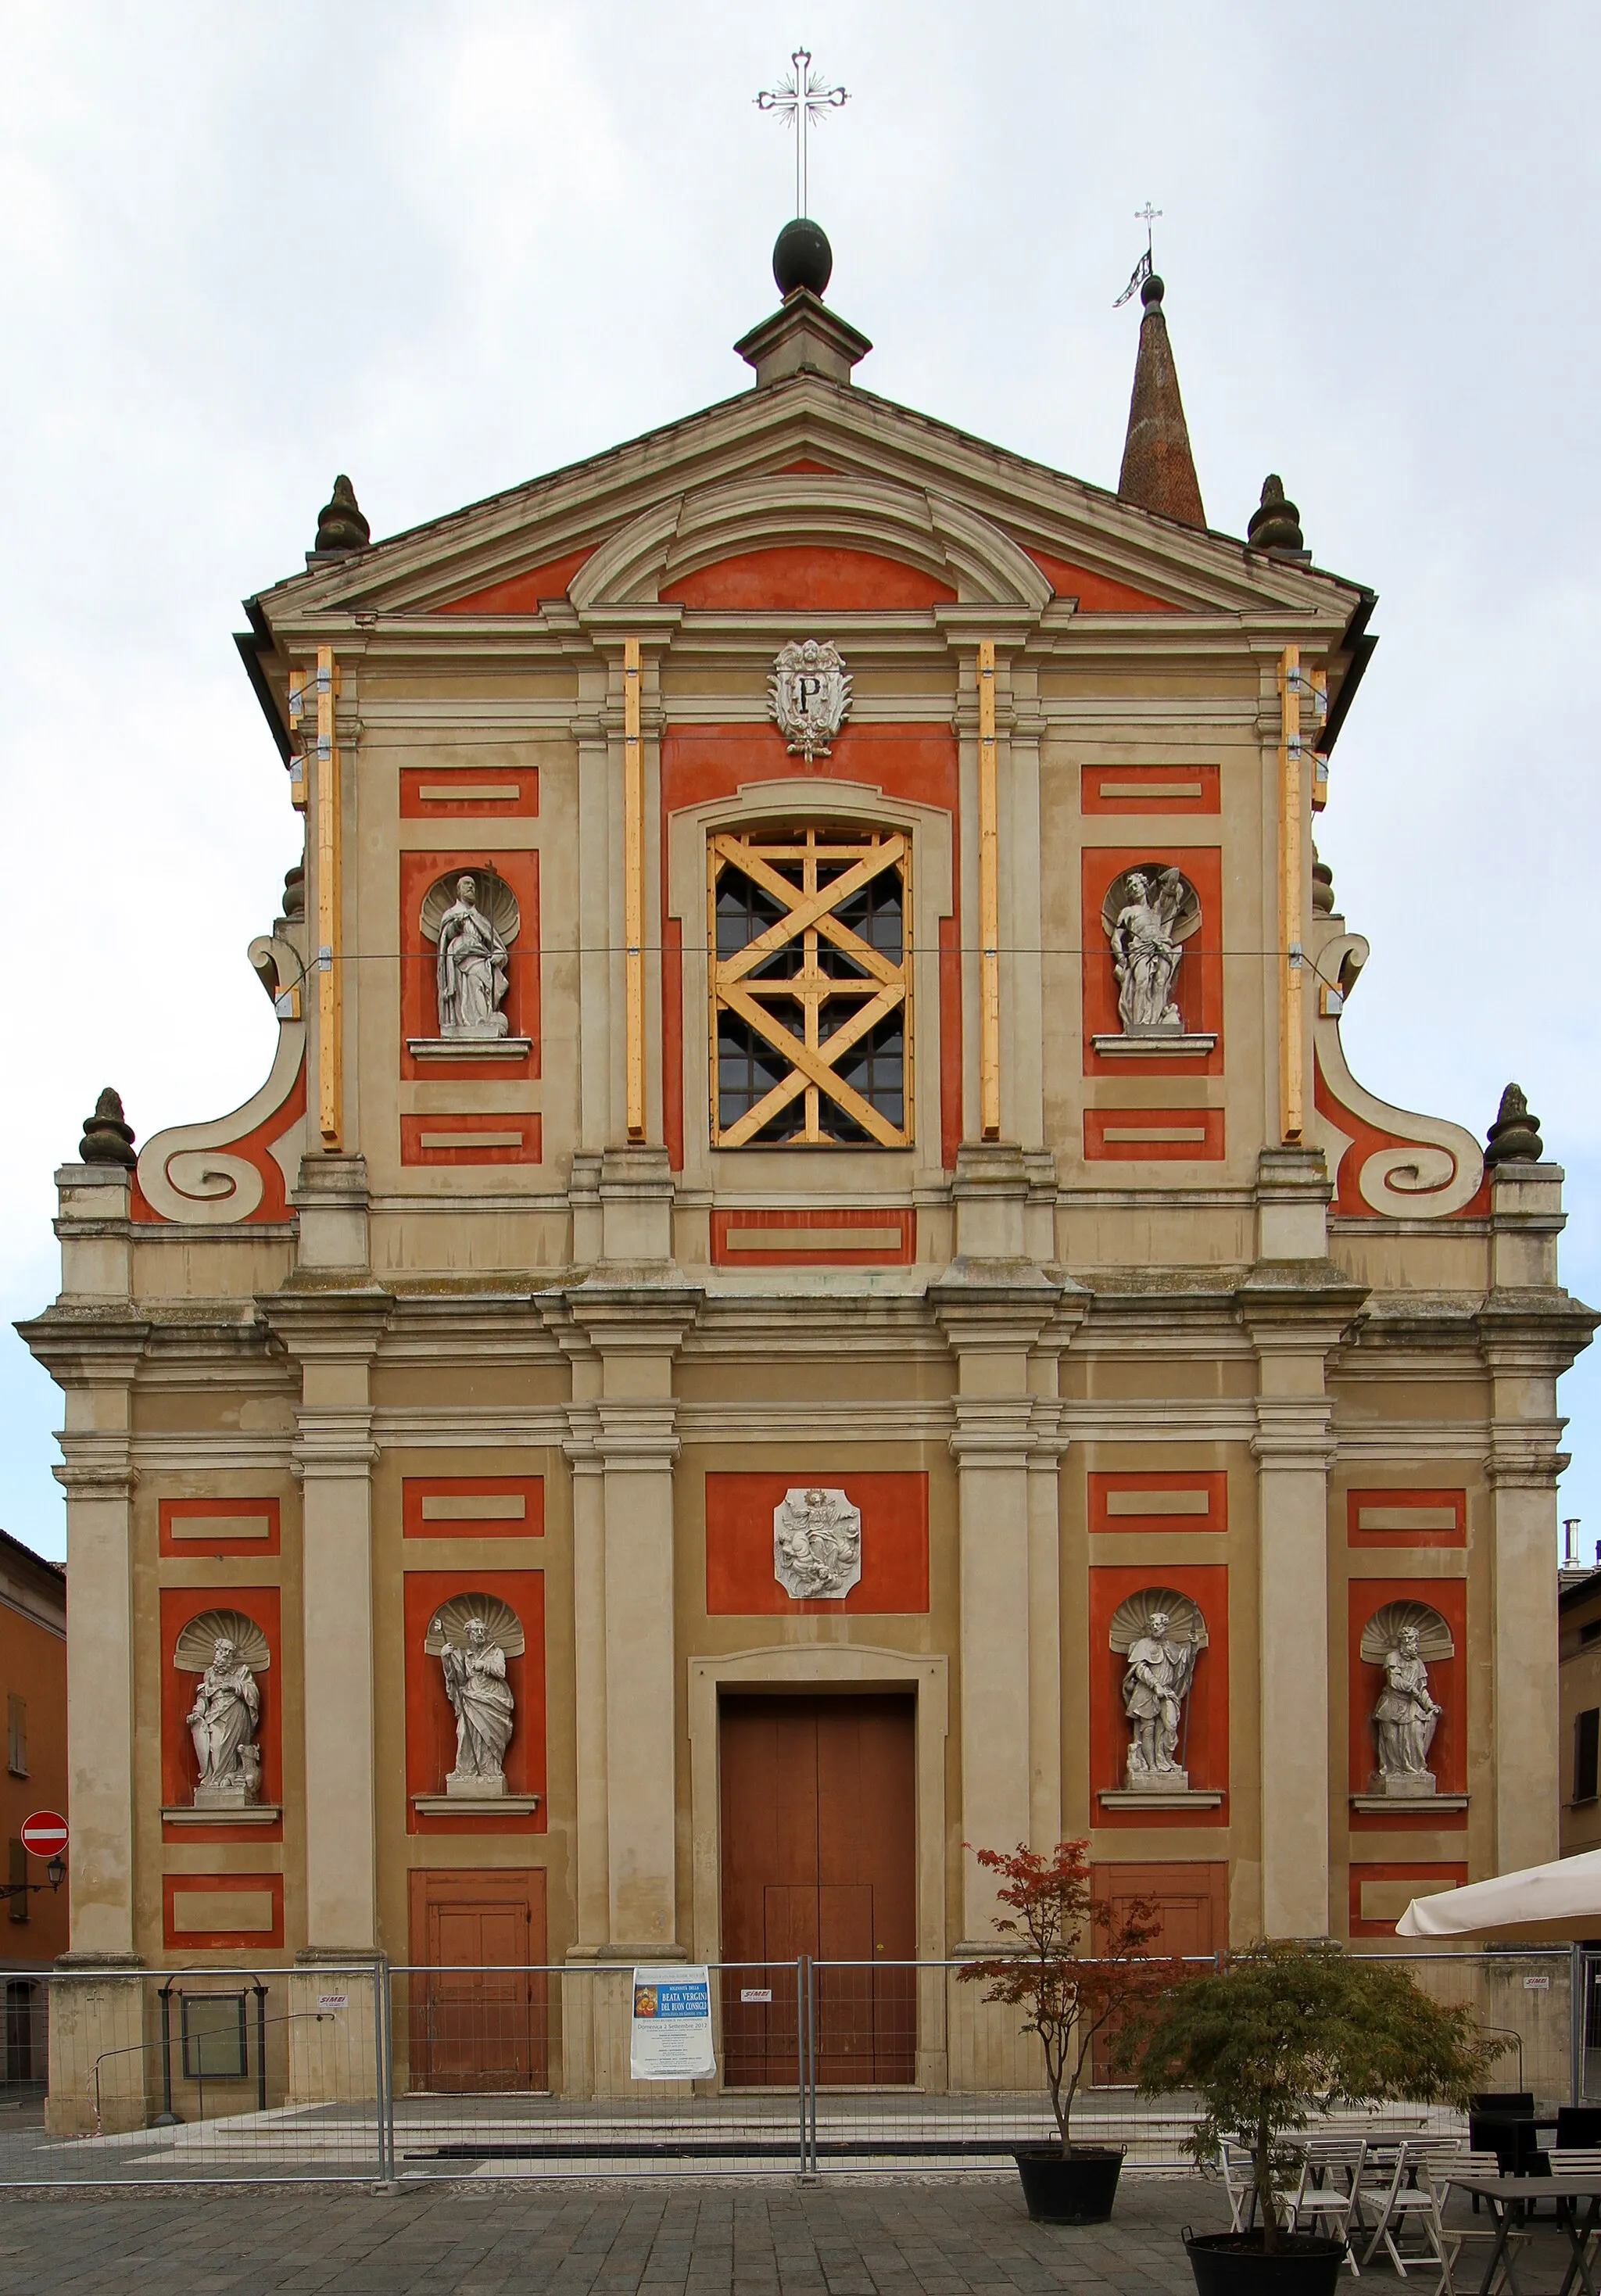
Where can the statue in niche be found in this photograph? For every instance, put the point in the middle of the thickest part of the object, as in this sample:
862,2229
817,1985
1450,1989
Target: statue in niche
473,1636
1161,1635
1147,912
1401,1638
472,937
816,1545
226,1712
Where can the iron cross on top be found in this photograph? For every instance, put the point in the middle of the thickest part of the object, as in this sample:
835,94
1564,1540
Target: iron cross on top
799,101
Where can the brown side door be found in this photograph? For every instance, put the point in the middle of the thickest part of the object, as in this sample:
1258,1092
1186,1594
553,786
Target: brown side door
818,1849
477,2011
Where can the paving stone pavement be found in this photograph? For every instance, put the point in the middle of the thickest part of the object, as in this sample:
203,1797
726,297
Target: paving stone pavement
908,2237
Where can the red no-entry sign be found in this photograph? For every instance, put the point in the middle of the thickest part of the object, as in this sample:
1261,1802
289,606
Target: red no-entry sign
45,1832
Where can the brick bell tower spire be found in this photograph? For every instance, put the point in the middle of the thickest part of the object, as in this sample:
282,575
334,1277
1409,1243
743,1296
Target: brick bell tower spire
1158,471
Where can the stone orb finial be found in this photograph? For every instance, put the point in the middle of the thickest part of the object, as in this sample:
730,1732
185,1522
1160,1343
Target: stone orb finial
802,257
1515,1135
1276,522
339,524
108,1138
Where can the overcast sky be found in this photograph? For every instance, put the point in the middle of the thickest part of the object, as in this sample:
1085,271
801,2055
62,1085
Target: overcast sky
447,244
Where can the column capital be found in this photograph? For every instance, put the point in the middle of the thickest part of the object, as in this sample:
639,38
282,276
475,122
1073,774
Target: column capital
332,1443
993,1432
622,1318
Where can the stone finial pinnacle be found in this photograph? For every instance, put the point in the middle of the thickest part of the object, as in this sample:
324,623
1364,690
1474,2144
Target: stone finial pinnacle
1276,521
1515,1135
339,524
1159,470
107,1138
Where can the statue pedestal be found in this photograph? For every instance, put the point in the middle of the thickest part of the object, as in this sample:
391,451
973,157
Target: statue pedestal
1412,1786
222,1813
469,1048
1144,1042
232,1794
1159,1797
1156,1782
462,1805
466,1785
1427,1804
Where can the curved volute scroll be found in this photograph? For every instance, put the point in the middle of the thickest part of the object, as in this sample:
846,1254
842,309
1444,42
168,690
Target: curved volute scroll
1382,1159
239,1167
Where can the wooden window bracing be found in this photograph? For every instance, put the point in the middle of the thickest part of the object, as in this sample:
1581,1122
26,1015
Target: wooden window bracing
811,988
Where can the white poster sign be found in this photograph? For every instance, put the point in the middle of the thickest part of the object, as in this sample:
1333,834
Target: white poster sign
670,2039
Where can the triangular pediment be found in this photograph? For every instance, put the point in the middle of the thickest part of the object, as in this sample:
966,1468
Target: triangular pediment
702,513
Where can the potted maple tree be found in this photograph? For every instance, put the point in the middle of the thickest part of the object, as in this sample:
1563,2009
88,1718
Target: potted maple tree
1076,1996
1284,2031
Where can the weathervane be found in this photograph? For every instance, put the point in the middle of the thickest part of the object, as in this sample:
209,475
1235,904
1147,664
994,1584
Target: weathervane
1147,215
801,99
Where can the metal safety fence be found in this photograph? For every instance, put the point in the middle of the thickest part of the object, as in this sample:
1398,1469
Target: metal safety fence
370,2073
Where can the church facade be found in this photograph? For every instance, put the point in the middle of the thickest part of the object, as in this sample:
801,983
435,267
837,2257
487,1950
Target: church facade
810,1290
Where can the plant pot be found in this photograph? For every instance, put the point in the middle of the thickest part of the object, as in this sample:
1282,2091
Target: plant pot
1076,2191
1234,2264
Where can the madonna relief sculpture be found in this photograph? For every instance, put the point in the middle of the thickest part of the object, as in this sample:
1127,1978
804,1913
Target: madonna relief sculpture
816,1545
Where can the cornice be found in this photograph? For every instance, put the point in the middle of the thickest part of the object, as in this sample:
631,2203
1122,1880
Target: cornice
343,1323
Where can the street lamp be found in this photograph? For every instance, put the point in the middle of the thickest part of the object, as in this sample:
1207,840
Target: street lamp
55,1873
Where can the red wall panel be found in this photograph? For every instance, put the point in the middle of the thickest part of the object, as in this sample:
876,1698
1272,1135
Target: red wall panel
739,1544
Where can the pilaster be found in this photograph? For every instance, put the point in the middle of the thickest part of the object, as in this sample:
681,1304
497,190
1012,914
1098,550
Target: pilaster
333,1335
92,1344
628,1428
992,1329
1295,1321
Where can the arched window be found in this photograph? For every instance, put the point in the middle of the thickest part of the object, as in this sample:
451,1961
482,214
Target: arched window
810,952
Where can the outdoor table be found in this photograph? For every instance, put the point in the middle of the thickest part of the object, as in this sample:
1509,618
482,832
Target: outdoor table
1504,2195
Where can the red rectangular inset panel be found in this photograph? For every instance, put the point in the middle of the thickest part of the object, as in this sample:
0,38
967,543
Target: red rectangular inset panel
1376,1890
1148,789
224,1526
1204,1749
430,793
740,1577
1448,1686
419,998
200,1911
1144,1136
430,1721
1406,1518
494,1138
1197,985
773,1238
180,1760
1169,1500
473,1506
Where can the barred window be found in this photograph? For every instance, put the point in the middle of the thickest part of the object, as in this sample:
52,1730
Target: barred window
811,988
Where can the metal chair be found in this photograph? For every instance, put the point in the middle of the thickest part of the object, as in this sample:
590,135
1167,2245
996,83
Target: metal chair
1236,2166
1322,2203
1411,2199
1451,2240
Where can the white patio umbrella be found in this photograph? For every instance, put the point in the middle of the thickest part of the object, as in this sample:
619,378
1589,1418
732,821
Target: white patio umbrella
1544,1904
